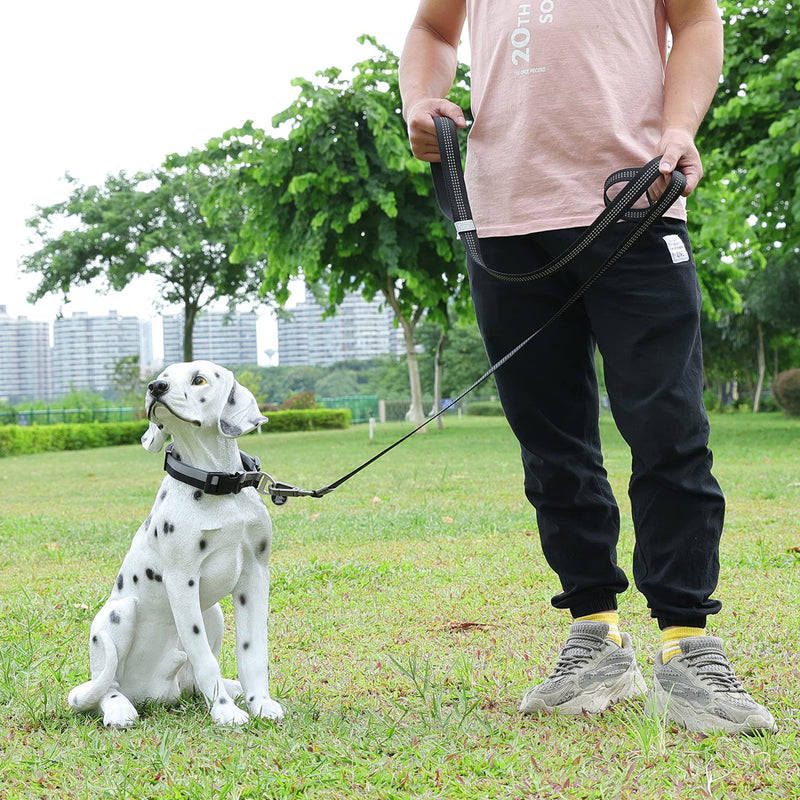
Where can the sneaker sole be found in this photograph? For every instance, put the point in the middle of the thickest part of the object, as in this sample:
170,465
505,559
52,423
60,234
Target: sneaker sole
681,713
630,684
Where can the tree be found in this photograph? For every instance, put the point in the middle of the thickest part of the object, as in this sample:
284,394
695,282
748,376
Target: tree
750,199
147,223
128,384
342,201
746,231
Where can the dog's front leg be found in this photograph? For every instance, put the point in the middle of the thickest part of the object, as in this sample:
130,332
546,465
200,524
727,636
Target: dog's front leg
251,613
184,599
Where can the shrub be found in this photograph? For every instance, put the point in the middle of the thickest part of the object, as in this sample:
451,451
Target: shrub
301,400
786,390
15,440
9,440
308,420
484,409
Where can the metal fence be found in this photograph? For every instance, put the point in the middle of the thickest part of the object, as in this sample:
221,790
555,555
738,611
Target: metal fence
56,416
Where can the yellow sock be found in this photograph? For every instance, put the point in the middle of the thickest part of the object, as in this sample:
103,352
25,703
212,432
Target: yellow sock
671,638
611,618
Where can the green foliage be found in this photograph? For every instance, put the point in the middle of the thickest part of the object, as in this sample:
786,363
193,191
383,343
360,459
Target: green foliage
128,384
298,402
745,217
311,419
342,201
749,202
786,388
15,440
485,409
327,197
464,362
147,223
338,383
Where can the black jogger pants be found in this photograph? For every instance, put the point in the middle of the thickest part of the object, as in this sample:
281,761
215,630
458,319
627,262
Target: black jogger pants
643,315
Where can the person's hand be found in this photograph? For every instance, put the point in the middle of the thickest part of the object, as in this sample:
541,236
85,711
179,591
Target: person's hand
421,128
678,151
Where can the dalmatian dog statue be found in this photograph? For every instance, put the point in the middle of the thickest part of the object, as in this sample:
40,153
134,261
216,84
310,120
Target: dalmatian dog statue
160,632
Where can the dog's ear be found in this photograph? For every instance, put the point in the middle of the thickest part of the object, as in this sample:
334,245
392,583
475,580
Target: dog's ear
154,439
240,413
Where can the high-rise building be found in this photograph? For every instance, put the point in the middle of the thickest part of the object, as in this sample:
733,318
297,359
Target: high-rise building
227,338
359,330
25,364
86,349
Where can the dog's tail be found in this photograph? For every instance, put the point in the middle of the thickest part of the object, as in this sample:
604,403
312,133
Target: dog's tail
87,696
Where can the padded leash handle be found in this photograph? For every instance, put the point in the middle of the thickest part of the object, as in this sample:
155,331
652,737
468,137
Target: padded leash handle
451,195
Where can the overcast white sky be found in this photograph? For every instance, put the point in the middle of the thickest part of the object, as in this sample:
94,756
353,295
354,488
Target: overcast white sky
92,87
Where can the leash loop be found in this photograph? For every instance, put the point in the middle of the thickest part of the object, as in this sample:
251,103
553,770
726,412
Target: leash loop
451,194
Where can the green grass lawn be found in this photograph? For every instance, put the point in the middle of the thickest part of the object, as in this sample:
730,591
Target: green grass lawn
410,611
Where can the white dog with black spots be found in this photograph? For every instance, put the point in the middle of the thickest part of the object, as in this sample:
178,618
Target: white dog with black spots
160,632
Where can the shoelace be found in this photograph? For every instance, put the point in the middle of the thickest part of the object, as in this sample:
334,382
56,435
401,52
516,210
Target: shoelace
711,666
577,651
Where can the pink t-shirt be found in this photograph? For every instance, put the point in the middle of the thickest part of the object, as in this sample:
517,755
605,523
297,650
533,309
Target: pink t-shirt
564,92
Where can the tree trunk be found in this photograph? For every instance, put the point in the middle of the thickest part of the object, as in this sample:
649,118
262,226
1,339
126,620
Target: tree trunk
437,378
415,413
189,316
762,368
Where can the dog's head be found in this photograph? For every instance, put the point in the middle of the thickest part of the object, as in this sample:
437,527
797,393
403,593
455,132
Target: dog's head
198,394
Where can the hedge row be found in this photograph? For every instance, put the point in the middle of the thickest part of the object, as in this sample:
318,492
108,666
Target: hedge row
311,419
16,441
484,409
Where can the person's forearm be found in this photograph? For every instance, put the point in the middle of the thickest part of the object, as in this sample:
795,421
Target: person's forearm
427,67
692,76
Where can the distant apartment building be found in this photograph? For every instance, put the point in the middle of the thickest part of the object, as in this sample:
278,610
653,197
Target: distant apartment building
226,338
359,330
86,349
25,365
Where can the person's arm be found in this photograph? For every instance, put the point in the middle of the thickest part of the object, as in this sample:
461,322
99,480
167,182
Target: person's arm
427,69
693,69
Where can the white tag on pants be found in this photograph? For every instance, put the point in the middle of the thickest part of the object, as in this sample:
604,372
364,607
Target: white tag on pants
676,247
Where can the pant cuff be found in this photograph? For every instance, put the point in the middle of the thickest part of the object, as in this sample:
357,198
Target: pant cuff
594,605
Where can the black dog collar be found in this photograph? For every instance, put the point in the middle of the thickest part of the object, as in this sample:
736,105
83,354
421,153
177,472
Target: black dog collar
217,482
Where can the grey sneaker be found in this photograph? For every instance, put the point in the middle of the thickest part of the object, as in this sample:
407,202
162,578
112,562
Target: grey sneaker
698,690
592,673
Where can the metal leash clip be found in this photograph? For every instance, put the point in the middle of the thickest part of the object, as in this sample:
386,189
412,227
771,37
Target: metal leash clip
280,492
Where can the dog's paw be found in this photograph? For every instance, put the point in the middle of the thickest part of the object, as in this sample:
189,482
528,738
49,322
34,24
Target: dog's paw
225,712
118,712
266,708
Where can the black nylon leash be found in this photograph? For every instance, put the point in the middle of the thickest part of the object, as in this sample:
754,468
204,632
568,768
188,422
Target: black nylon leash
451,195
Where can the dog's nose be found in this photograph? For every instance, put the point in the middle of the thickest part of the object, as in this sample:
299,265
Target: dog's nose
157,388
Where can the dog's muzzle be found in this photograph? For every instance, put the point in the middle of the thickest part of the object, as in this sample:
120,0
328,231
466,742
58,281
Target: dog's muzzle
155,390
152,402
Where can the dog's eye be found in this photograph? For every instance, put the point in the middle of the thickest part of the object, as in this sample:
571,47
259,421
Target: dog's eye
199,380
